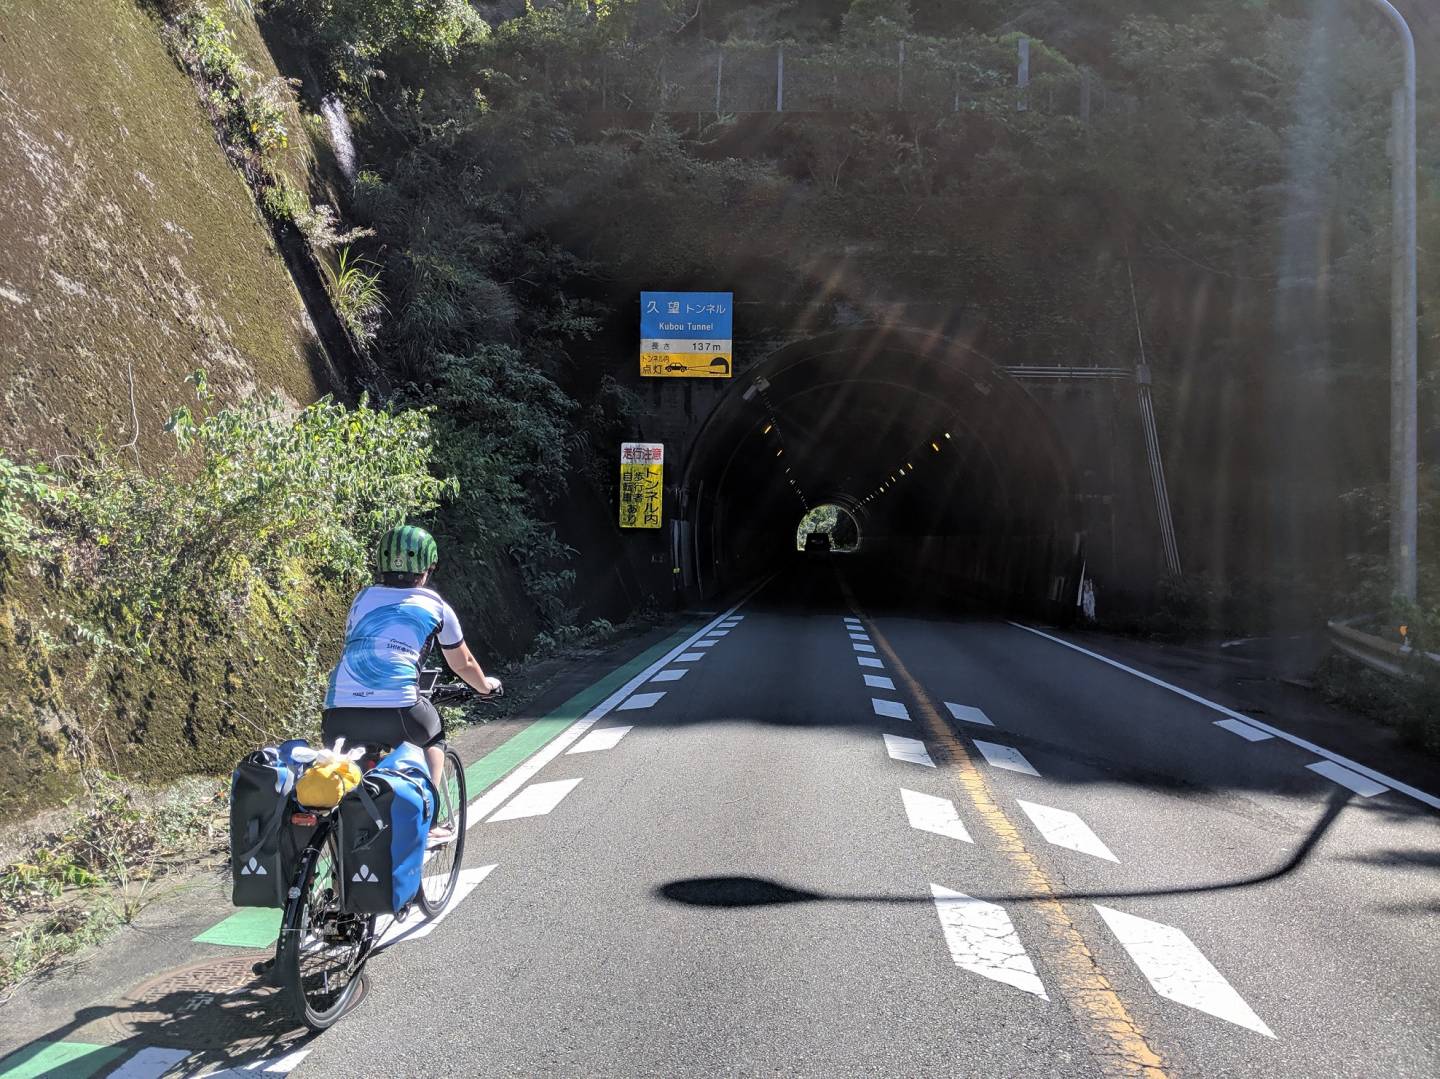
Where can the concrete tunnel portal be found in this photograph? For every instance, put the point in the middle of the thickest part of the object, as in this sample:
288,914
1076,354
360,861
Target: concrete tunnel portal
956,478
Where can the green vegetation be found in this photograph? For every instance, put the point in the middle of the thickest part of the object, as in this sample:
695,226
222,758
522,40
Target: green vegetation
260,495
79,882
247,108
357,292
162,623
1410,706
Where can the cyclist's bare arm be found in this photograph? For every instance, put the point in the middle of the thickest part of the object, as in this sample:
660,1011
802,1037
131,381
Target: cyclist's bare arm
467,669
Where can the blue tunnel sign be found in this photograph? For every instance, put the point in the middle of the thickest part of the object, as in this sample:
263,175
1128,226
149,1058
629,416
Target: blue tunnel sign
686,334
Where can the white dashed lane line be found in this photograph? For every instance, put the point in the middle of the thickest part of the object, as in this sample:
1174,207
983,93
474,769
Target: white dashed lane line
982,940
1178,970
707,643
149,1063
400,932
860,637
1354,767
1361,785
862,647
638,701
1065,829
879,681
930,814
1006,757
718,633
967,714
908,749
671,674
688,657
1244,730
595,741
890,709
868,661
281,1065
535,800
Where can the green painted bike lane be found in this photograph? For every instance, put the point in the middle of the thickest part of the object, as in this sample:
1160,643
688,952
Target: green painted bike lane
257,927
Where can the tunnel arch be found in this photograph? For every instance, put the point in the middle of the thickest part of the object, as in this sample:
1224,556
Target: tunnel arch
986,503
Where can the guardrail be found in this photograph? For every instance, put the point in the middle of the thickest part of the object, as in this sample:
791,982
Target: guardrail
1378,654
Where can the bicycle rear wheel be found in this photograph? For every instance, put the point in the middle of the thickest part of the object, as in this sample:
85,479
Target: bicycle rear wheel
322,950
442,861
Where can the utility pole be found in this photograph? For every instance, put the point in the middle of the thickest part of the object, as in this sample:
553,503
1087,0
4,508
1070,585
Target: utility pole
1404,454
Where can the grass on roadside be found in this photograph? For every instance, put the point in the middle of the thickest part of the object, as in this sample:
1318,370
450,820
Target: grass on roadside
1410,706
78,883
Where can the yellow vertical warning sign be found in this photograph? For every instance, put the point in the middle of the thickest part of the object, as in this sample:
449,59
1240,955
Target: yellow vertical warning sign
642,484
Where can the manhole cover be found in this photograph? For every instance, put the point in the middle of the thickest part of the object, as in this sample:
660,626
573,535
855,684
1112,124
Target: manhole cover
216,1004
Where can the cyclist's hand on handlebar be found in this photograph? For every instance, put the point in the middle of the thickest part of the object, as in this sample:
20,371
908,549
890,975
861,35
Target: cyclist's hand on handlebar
493,688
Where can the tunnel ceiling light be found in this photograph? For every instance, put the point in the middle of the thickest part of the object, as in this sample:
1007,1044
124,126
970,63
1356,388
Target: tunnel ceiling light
947,434
935,446
780,452
909,466
768,428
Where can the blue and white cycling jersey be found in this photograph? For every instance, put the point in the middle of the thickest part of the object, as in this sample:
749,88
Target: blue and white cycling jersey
385,637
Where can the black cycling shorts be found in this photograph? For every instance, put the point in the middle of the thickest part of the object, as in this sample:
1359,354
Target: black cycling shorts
418,724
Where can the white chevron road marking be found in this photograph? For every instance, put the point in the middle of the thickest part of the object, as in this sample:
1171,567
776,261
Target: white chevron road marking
1066,829
535,800
638,701
604,738
930,814
982,940
908,749
1178,970
967,714
998,756
1244,730
1361,785
890,709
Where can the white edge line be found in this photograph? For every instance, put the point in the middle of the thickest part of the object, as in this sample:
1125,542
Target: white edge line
1379,777
483,806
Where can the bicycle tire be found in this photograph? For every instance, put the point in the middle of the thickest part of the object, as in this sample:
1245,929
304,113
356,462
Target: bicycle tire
441,871
316,1003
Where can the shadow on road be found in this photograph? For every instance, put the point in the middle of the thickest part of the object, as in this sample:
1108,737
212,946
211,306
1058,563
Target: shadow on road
759,892
210,1015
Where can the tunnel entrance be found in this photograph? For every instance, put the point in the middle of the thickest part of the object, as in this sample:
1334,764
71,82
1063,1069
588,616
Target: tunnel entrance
834,522
956,478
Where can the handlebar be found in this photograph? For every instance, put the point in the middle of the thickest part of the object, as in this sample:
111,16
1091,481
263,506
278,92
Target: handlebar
453,692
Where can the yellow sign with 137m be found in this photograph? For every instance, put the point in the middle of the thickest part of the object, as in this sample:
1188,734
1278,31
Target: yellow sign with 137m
685,359
642,484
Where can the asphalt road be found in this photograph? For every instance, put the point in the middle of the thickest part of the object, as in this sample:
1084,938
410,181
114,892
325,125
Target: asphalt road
741,884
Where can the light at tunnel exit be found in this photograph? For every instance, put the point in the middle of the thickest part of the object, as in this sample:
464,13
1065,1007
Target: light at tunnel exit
836,522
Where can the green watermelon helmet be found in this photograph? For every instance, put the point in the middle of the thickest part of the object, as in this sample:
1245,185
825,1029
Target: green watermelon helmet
407,549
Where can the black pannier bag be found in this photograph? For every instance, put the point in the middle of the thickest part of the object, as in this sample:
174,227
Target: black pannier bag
264,849
384,825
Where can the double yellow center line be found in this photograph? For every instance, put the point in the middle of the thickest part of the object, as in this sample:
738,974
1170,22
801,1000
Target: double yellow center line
1110,1031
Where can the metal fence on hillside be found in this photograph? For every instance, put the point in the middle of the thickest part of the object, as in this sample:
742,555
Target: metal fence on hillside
905,76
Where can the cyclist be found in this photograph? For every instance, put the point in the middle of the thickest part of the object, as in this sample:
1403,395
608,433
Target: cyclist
374,694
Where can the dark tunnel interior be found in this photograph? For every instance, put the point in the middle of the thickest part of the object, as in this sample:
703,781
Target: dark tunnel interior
957,480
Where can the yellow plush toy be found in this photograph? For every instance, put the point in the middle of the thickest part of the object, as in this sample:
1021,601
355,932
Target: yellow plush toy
333,775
